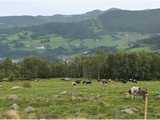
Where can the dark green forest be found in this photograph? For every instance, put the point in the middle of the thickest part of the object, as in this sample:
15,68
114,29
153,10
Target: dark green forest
118,66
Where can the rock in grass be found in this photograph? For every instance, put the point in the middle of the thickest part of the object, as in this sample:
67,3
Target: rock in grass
57,96
29,109
16,87
73,98
14,106
63,93
12,114
158,97
129,110
13,97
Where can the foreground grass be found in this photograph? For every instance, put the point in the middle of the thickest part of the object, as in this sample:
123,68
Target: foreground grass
59,99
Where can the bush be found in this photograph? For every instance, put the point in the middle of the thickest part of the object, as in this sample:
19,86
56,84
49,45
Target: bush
11,77
27,85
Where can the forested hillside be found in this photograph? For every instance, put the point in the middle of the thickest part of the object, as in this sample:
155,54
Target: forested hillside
69,35
23,21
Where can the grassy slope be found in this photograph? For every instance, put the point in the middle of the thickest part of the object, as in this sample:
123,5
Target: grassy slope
50,100
119,40
27,43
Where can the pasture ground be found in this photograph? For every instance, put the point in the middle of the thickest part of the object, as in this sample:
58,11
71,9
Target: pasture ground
56,98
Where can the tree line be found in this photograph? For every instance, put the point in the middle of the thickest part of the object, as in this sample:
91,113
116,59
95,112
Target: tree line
118,66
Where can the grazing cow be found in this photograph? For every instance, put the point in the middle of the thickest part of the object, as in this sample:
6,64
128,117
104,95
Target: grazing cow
104,82
87,82
124,81
74,83
78,81
109,80
98,80
133,80
137,91
66,79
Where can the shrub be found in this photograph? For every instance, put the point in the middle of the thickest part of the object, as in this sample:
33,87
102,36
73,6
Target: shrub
11,77
27,85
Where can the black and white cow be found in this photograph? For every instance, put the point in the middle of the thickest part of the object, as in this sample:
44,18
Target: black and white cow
133,80
74,84
87,82
137,91
78,81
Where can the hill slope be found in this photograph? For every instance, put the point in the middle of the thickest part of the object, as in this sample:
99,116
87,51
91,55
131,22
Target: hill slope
24,21
145,21
62,35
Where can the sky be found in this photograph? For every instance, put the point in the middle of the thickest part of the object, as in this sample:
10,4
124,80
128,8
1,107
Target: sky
52,7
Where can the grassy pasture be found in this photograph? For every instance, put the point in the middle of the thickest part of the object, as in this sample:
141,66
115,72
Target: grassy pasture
55,98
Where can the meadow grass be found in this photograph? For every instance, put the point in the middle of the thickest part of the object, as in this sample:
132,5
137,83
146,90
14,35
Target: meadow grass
56,98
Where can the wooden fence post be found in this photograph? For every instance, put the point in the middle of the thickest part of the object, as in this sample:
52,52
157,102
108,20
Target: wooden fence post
146,107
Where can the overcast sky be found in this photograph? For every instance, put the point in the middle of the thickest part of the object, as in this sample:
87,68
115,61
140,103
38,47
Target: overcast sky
51,7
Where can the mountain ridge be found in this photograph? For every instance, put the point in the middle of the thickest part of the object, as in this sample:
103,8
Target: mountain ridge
110,30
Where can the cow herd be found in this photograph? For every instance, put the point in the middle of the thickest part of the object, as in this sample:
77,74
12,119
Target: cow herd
130,80
84,82
133,91
104,82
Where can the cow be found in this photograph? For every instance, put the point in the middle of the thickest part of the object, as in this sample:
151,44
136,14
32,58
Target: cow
124,81
109,80
74,84
87,82
129,80
66,79
137,91
78,81
98,80
104,82
133,81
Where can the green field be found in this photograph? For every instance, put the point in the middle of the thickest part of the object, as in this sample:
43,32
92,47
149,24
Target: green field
27,42
55,98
